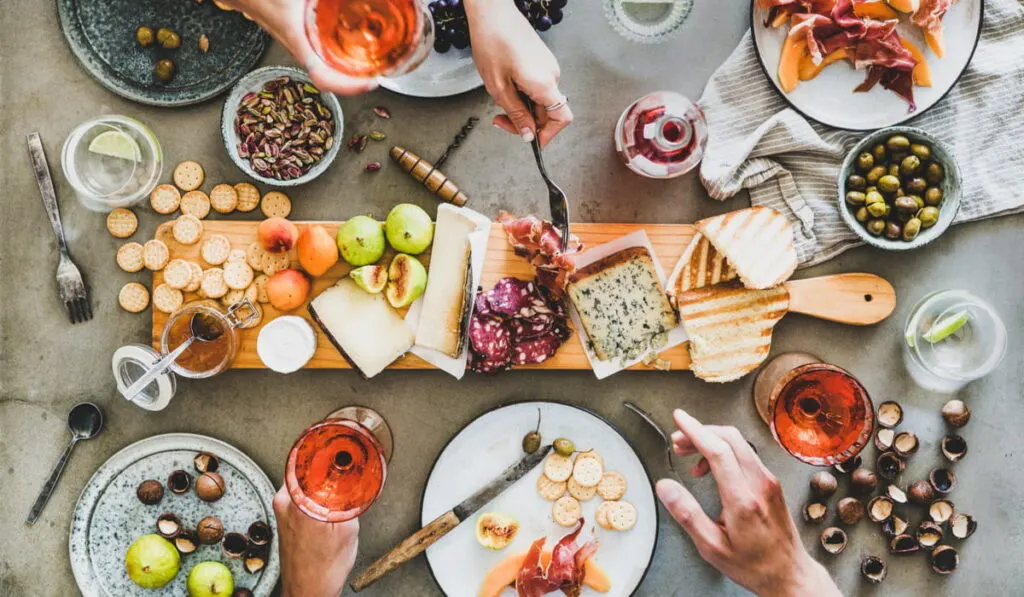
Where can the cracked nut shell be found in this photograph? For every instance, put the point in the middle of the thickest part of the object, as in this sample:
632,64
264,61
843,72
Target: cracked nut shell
941,510
954,448
850,510
259,533
210,530
168,525
863,481
894,526
206,462
873,568
896,494
834,540
179,482
255,559
962,525
890,414
880,508
942,480
186,542
922,492
150,492
210,487
234,545
824,484
815,512
890,465
956,413
883,439
905,444
849,466
903,544
945,559
929,534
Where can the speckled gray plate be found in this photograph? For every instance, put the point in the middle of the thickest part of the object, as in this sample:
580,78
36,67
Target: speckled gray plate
101,34
108,516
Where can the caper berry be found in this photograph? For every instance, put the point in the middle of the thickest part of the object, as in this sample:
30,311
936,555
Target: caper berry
933,196
911,229
856,182
164,70
878,152
855,198
144,35
906,205
172,41
888,184
929,216
910,165
876,227
531,442
874,174
893,231
934,173
915,186
922,151
898,143
564,446
878,210
865,162
862,215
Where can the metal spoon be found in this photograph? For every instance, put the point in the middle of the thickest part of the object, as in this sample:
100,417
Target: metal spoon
201,329
85,421
668,442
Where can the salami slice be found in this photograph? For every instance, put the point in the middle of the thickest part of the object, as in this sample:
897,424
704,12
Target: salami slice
490,338
536,326
479,364
510,295
536,350
482,306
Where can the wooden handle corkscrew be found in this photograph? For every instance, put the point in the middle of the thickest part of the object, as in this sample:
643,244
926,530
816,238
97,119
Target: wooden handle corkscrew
432,178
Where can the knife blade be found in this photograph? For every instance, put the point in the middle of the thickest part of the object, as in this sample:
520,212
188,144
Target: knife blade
445,523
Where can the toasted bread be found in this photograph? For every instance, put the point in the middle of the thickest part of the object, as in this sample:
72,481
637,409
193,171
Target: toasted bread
700,265
758,242
730,328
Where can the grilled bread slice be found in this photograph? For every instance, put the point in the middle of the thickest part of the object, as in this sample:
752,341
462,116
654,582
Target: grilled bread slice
758,242
700,265
730,328
621,303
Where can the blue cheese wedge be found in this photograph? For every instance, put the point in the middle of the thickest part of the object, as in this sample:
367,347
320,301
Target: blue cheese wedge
448,298
621,303
368,333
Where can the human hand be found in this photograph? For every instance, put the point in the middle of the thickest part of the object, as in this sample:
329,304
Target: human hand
511,57
285,21
316,557
754,542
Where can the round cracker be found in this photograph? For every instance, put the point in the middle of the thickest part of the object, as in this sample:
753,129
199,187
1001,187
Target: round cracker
566,511
274,262
237,255
122,222
591,453
213,285
621,516
187,229
579,491
216,249
129,257
276,204
260,284
252,294
558,467
165,199
601,515
178,274
237,275
188,175
233,296
133,297
587,471
155,255
167,299
548,489
223,198
254,255
197,277
195,203
612,486
248,196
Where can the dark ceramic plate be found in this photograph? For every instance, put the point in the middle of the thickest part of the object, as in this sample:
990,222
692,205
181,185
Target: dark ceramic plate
101,34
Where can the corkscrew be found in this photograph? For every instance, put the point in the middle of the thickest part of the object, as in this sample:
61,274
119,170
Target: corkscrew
429,173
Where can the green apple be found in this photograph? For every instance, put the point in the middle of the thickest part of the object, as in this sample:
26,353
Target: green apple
407,279
409,229
152,561
371,278
210,579
361,241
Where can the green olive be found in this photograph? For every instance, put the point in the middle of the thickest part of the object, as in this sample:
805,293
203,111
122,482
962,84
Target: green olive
856,182
915,186
906,205
164,70
172,41
934,173
918,201
862,215
871,189
161,34
888,184
893,231
929,216
922,151
874,174
531,442
855,198
899,192
910,165
144,35
564,446
878,152
933,196
911,229
898,143
865,162
878,210
873,197
875,227
894,170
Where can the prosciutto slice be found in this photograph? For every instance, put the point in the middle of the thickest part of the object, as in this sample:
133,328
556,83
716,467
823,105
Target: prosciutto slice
565,572
929,14
539,242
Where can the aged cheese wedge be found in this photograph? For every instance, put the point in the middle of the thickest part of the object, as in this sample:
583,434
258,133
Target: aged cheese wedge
449,285
362,326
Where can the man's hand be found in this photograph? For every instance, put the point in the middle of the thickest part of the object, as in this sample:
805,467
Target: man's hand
754,542
316,557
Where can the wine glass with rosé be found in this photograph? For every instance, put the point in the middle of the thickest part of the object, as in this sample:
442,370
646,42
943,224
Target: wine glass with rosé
337,468
365,39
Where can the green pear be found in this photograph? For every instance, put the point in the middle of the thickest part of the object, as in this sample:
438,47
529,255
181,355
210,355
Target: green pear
361,241
152,561
407,279
210,579
409,229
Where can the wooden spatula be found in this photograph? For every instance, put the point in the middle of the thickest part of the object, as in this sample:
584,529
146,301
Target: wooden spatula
854,299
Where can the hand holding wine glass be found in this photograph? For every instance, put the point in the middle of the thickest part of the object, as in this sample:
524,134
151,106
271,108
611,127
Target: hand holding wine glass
316,557
754,542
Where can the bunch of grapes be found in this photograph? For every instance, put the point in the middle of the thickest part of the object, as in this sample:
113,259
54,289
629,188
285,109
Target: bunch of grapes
452,28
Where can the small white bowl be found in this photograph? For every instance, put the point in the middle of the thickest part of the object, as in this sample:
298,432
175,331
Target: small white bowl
254,82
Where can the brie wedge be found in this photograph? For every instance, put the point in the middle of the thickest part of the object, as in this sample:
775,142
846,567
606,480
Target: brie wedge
448,298
362,326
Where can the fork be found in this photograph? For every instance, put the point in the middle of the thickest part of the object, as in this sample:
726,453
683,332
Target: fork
70,285
556,197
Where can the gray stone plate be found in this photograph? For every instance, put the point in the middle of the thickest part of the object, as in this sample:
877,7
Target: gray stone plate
101,34
108,516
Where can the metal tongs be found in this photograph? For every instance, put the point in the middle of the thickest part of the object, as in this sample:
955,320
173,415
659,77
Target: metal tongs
556,197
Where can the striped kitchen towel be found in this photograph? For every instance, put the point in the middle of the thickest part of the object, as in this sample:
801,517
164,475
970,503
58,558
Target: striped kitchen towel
790,164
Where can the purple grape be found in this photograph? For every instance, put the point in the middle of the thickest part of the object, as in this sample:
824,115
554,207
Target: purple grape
441,45
555,14
543,23
556,3
523,6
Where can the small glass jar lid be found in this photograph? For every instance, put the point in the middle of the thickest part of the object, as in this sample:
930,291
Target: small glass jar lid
130,363
647,21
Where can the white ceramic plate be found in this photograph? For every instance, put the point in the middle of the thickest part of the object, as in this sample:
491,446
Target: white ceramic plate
829,98
484,448
440,75
108,516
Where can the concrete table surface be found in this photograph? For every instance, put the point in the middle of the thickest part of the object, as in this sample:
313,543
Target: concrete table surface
46,364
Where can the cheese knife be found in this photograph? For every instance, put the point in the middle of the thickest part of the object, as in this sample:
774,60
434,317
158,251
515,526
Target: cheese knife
445,523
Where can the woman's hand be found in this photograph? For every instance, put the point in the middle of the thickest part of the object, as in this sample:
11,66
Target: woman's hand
316,557
511,57
754,542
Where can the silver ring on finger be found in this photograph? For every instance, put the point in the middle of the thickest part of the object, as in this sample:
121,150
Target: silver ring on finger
557,105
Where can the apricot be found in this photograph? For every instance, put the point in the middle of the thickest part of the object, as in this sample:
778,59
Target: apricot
317,250
277,235
288,289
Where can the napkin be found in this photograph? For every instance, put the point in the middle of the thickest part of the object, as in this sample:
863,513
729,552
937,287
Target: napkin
790,164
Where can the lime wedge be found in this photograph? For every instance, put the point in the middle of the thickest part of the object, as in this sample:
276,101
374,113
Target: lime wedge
116,145
946,327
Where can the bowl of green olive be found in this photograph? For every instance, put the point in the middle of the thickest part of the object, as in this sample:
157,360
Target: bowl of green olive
899,188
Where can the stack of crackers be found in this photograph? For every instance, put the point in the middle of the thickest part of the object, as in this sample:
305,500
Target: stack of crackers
570,480
229,275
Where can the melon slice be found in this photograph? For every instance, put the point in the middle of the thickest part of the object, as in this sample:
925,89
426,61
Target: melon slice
793,50
934,39
809,70
922,73
504,573
907,6
780,19
874,9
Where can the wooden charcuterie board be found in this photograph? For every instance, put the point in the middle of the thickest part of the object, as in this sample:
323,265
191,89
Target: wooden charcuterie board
669,241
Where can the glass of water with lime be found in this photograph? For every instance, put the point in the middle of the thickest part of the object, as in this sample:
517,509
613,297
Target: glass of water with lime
952,338
112,161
